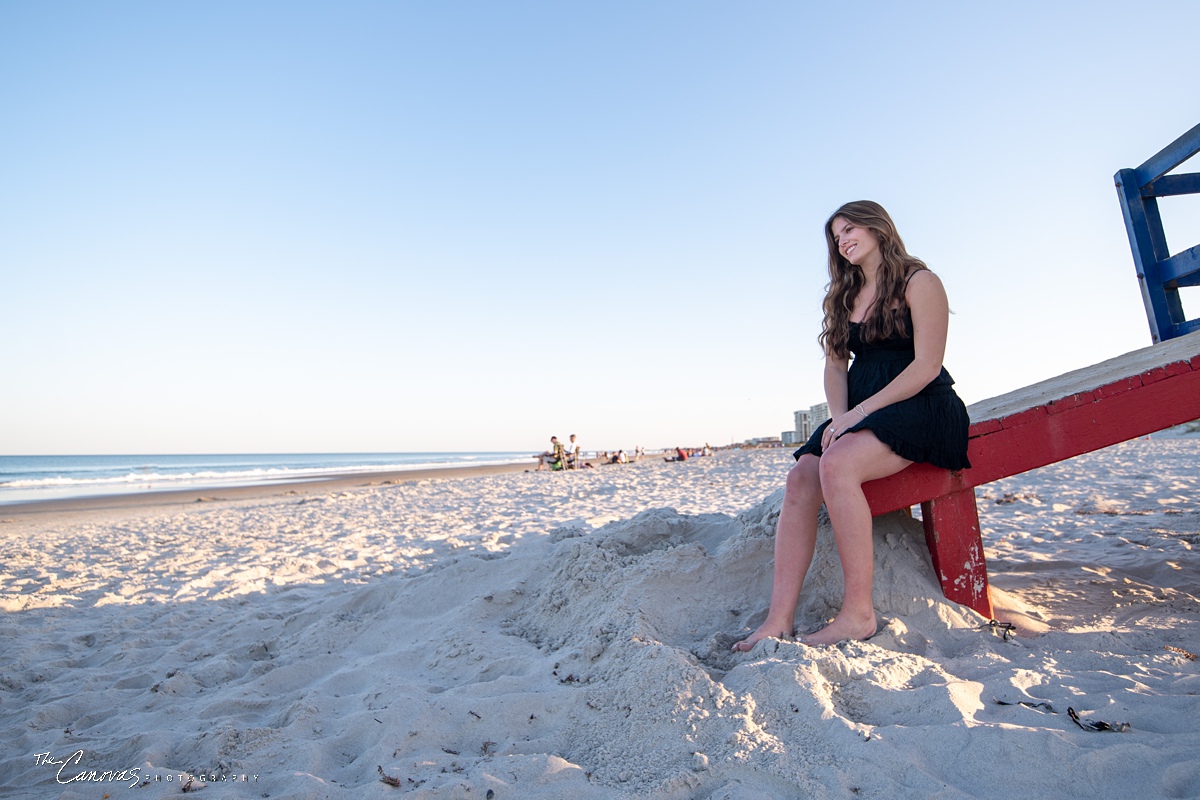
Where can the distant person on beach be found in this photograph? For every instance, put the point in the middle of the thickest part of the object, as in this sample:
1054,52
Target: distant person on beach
574,453
893,405
557,454
680,455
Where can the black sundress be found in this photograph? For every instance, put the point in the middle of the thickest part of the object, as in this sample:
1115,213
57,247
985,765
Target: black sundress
931,426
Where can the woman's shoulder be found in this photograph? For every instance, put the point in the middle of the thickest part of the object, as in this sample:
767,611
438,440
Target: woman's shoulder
924,293
918,274
921,281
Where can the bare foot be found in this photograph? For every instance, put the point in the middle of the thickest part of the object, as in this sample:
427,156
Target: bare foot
842,628
764,632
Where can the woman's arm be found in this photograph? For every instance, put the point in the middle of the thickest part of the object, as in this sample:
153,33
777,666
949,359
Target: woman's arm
926,299
837,392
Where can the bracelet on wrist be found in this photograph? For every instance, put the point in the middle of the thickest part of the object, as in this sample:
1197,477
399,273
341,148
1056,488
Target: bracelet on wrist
860,410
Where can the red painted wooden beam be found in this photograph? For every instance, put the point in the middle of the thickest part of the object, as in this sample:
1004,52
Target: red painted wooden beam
956,547
1149,397
1046,434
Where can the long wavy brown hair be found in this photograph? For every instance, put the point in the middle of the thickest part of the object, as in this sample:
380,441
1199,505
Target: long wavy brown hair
886,316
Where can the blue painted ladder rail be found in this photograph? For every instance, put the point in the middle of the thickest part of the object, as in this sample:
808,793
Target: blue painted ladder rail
1159,273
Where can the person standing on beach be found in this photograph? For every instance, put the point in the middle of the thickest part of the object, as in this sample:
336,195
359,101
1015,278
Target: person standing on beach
895,404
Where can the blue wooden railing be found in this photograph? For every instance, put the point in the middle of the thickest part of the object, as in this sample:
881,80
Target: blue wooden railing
1159,273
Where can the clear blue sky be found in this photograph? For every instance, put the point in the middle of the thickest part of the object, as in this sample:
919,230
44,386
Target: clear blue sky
402,226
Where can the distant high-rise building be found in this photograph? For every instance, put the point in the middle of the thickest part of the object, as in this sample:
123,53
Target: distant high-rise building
809,419
804,426
820,413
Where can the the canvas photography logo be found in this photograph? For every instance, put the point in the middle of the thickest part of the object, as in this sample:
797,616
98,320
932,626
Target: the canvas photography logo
78,768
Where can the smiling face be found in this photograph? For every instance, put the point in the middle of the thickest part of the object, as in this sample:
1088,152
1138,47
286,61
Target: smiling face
857,244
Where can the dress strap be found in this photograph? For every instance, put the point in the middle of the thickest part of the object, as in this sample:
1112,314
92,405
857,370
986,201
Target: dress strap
910,277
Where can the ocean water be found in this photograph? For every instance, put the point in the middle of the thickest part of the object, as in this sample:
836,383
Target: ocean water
32,478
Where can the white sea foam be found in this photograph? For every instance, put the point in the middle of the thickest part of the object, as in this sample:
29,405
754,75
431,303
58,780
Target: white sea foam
24,479
234,476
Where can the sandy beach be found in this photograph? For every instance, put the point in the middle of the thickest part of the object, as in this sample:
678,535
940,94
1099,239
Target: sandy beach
566,635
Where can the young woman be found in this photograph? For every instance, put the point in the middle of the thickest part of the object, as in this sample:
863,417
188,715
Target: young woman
893,405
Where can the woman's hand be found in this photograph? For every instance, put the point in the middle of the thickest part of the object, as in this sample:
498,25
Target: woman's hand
839,425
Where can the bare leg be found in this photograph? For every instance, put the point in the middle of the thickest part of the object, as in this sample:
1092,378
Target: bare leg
845,466
795,540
